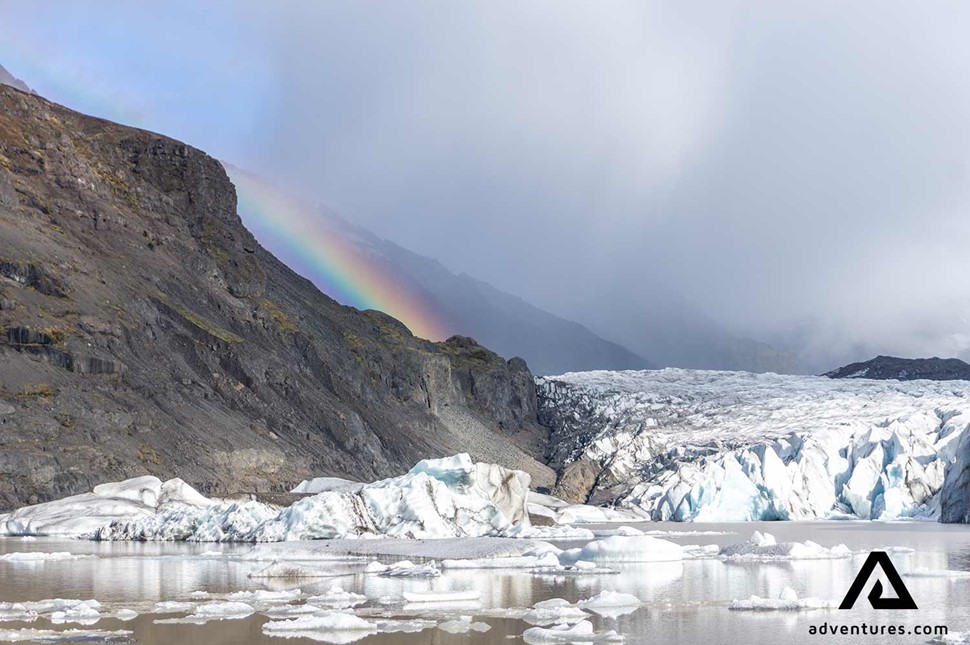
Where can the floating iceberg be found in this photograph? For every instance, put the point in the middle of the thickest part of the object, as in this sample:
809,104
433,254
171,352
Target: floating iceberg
697,445
438,498
580,632
624,548
65,636
404,569
292,570
337,598
763,546
36,556
788,600
554,611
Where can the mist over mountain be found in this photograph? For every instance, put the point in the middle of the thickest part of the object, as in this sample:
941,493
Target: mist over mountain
455,303
6,78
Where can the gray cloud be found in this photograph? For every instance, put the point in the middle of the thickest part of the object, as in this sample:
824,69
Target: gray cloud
797,170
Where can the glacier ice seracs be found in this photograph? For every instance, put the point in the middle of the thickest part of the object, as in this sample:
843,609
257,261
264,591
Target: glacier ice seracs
685,445
449,497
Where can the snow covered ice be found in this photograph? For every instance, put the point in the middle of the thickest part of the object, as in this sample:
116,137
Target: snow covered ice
697,445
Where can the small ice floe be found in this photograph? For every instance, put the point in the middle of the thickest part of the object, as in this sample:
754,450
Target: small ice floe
289,611
172,607
66,636
59,610
623,548
544,555
565,532
412,626
264,596
441,596
215,610
611,604
223,609
292,570
923,572
463,625
953,638
763,546
199,594
337,598
404,569
580,632
700,551
788,600
553,612
577,568
336,627
84,613
126,614
36,556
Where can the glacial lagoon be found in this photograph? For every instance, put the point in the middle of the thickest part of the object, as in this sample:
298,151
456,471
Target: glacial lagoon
684,602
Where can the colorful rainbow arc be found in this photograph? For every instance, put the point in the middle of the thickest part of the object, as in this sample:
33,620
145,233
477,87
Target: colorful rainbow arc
300,236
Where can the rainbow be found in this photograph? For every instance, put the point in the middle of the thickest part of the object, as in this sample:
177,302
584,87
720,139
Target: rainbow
301,237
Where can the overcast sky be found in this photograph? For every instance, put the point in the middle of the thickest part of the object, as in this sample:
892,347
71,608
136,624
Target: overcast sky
783,165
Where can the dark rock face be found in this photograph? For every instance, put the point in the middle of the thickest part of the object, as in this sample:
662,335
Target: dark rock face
905,369
145,331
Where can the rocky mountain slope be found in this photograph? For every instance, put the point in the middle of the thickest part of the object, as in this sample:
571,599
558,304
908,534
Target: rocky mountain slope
905,369
734,446
145,331
462,304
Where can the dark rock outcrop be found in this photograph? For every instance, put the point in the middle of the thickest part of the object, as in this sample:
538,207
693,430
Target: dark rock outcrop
905,369
145,331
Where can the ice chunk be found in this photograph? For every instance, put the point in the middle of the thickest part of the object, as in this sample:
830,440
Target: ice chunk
762,546
463,625
223,609
36,556
441,596
621,548
84,612
554,611
787,600
265,596
337,598
404,569
580,632
923,572
64,636
609,599
292,570
173,607
336,627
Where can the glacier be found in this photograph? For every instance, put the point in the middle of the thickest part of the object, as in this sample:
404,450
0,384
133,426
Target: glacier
696,445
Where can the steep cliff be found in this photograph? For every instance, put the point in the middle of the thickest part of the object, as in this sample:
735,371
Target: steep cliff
143,330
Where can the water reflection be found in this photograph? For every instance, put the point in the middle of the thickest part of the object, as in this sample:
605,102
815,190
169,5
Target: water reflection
684,602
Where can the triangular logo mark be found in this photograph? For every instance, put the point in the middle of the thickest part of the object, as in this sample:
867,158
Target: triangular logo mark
903,599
